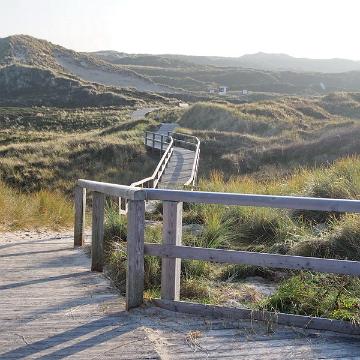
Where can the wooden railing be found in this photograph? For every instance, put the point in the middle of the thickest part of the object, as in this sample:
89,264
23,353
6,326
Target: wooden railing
153,180
171,251
156,141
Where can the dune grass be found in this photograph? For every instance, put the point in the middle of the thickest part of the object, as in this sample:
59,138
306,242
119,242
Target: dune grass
335,297
43,209
266,230
268,137
102,144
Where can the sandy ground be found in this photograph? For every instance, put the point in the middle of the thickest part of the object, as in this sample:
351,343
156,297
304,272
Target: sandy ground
120,78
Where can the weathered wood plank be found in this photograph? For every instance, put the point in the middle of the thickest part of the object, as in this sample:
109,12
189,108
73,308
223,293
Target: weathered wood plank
124,191
171,267
97,243
345,267
80,207
307,322
56,308
287,202
135,254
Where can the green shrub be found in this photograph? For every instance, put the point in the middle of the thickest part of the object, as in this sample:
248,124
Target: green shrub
260,226
193,289
336,297
341,181
195,269
115,225
342,241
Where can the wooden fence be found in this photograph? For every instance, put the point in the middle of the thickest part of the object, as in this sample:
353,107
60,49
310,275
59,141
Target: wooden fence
171,251
164,144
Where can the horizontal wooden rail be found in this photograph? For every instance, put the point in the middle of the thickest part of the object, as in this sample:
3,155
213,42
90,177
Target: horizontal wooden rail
127,192
344,267
307,322
273,201
153,180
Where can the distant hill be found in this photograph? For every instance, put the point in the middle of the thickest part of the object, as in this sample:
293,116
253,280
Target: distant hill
57,73
24,85
259,61
274,62
260,72
135,76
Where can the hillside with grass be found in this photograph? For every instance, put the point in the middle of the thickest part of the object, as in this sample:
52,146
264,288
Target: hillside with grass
37,72
198,74
267,137
49,148
23,85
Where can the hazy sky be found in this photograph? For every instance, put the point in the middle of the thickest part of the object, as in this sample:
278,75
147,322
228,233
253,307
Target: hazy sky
304,28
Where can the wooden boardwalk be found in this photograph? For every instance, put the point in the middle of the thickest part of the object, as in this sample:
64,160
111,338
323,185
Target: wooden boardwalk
53,307
179,168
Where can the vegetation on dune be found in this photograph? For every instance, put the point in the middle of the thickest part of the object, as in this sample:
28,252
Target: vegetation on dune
268,137
100,144
266,230
38,210
335,297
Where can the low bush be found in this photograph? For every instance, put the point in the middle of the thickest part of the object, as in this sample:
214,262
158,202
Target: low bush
336,297
239,272
342,241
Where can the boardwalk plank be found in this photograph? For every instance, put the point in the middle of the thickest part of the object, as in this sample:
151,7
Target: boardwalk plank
53,307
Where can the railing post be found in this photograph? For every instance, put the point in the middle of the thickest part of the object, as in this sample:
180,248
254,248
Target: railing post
80,206
171,267
153,141
135,254
161,145
97,243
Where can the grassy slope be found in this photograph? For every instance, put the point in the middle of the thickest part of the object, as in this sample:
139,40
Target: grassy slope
267,136
51,148
32,72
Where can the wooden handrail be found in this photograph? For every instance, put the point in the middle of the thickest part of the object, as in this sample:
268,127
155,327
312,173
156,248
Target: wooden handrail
237,199
171,251
154,179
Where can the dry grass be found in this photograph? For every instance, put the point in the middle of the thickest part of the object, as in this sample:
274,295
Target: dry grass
41,209
103,145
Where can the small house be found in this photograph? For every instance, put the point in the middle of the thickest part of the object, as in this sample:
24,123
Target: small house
223,90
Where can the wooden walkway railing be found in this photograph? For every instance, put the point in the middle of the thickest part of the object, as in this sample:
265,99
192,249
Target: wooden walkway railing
171,251
165,143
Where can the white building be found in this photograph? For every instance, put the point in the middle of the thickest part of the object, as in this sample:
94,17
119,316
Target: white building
223,90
